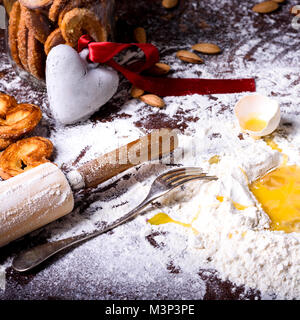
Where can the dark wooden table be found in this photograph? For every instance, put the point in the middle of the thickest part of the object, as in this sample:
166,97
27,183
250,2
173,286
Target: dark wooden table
216,21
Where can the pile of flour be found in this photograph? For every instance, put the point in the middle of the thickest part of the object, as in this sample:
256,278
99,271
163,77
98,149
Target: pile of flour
237,242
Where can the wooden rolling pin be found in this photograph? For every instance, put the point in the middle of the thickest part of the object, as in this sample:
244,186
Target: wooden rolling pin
44,194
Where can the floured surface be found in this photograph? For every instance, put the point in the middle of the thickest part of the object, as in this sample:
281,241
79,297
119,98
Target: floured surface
138,260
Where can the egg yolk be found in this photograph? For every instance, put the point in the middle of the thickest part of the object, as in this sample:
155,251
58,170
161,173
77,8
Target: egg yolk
214,160
279,195
238,206
163,218
254,124
269,141
278,192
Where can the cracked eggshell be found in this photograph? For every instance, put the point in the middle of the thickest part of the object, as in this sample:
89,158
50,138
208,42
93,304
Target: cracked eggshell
258,107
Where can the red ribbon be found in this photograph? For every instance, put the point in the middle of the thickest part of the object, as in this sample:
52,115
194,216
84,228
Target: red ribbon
104,52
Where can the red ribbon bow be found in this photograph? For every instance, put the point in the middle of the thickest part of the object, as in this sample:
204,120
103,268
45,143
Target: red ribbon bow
104,52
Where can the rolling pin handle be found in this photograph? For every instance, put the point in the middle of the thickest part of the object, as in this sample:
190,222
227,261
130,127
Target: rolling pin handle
152,146
76,180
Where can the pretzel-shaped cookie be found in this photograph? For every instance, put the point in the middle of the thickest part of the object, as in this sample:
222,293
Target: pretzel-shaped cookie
78,22
13,28
54,39
56,8
24,155
38,24
16,119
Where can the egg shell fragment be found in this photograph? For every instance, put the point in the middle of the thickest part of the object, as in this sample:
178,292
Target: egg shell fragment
259,107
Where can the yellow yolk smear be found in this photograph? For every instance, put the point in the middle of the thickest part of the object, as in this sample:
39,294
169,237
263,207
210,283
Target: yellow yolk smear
214,160
279,195
269,141
235,204
254,124
163,218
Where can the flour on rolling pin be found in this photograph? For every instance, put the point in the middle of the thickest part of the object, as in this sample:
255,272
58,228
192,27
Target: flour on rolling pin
43,194
150,147
32,200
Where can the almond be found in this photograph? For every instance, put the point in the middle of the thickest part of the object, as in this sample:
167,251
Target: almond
169,4
265,7
159,69
208,48
140,35
188,56
153,100
136,92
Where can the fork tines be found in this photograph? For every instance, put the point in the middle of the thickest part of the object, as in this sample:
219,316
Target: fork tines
180,176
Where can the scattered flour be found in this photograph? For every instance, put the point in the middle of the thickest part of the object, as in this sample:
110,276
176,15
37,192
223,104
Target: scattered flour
2,278
142,261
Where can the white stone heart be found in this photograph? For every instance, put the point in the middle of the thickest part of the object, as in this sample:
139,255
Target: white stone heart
76,89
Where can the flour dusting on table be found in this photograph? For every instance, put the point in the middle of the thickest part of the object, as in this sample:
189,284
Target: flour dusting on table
139,260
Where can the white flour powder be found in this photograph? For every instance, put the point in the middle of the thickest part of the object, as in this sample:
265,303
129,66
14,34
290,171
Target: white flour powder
136,259
235,240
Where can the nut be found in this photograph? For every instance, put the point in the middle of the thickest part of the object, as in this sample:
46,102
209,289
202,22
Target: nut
159,69
140,35
169,4
265,7
208,48
188,56
136,92
153,100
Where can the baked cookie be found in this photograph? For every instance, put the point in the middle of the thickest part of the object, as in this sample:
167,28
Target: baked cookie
71,4
56,8
4,143
8,4
20,120
6,103
24,155
22,40
16,119
54,39
38,24
13,28
80,21
35,56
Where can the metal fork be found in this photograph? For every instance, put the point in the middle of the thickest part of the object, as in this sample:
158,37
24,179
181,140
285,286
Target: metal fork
163,184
